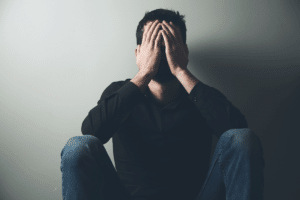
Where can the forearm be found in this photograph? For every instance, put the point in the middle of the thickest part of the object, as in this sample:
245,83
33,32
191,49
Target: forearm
220,113
141,80
114,106
187,80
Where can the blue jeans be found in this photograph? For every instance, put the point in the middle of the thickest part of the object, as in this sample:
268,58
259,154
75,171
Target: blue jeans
236,171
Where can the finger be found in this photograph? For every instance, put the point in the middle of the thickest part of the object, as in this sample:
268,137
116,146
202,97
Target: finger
150,31
158,38
145,31
169,30
154,35
166,40
176,29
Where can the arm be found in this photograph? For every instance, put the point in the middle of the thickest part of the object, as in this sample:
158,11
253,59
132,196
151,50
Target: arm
114,106
220,114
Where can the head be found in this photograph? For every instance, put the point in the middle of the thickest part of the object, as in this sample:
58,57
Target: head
163,74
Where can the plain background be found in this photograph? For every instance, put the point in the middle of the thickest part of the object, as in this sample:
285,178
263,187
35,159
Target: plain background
57,57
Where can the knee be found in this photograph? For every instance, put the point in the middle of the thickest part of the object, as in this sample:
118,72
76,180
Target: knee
77,146
242,139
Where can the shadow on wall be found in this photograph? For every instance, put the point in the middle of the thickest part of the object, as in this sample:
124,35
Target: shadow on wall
265,86
261,76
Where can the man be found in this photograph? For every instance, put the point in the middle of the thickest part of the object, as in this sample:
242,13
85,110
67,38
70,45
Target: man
161,123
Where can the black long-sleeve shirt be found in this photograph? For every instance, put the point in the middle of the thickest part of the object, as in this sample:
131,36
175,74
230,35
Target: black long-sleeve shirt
161,152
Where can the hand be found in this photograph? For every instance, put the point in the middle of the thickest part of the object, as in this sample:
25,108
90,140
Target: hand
176,52
148,54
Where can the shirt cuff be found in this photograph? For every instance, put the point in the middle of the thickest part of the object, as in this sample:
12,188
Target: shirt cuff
197,93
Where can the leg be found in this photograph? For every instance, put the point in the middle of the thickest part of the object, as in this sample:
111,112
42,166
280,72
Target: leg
237,168
88,173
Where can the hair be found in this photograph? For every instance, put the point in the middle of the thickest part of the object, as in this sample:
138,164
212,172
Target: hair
162,14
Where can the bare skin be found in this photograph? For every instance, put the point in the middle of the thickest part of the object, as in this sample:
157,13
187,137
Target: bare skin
164,93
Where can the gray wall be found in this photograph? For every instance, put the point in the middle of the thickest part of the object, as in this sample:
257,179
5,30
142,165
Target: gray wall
57,57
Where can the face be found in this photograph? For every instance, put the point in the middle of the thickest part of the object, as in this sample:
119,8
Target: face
163,74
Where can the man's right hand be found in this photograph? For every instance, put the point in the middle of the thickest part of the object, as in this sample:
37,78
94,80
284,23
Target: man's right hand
148,54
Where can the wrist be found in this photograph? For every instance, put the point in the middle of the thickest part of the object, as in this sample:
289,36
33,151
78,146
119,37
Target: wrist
180,72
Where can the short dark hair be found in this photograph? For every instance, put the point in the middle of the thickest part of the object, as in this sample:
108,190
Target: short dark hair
162,14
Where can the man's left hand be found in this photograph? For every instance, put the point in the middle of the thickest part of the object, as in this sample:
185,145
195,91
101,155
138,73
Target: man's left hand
175,50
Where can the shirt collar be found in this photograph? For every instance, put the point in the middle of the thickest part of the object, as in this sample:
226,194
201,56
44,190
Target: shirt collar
173,103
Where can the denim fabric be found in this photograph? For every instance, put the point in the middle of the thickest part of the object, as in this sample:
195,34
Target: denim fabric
237,168
236,171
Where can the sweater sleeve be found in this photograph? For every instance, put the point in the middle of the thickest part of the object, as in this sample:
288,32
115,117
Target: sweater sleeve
219,112
116,103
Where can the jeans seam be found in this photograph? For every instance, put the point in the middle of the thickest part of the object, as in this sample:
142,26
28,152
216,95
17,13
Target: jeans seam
224,176
208,176
117,178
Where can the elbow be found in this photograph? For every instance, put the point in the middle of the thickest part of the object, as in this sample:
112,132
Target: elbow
86,127
242,122
102,137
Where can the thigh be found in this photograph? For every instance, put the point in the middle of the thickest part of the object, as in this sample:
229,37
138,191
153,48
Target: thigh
213,187
88,172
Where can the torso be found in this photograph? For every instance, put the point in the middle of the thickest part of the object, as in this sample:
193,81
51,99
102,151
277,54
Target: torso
166,100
